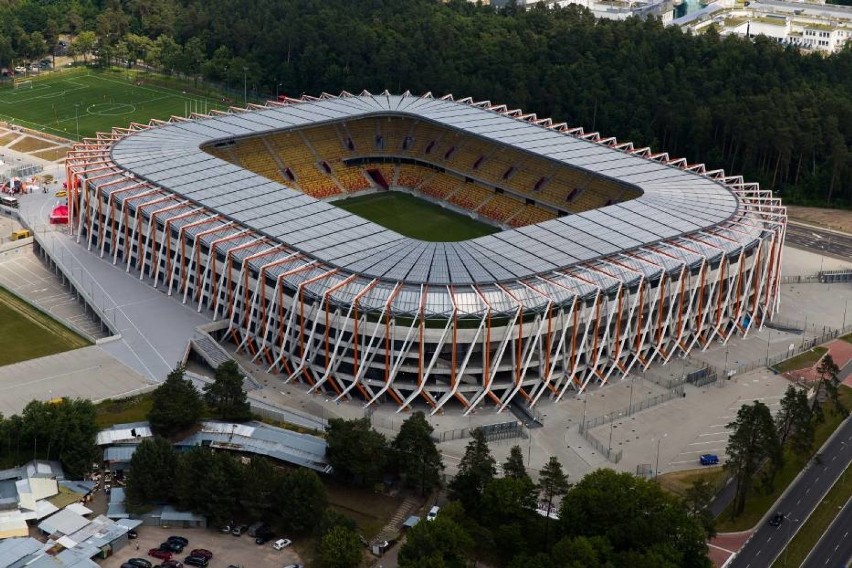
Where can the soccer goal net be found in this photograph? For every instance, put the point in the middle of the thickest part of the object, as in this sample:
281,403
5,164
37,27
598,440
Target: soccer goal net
26,84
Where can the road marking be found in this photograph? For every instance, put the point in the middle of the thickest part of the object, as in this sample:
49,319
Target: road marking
701,443
716,433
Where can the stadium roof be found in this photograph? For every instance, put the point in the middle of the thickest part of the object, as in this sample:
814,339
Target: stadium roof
674,202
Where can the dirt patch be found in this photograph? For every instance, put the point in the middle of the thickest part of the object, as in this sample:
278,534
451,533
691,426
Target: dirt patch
835,219
678,482
52,155
29,144
6,138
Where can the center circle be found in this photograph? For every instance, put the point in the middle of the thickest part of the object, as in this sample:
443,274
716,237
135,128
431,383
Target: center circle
110,109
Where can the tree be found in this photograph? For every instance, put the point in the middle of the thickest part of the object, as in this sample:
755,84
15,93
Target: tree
226,396
176,405
514,464
340,548
302,499
439,543
151,477
417,455
642,525
698,498
355,451
552,482
83,44
829,384
476,470
508,500
795,421
753,441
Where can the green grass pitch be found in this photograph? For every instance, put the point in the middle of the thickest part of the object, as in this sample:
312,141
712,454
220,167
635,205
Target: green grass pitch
415,218
96,100
26,333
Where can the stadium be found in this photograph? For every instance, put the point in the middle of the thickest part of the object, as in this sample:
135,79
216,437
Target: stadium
599,257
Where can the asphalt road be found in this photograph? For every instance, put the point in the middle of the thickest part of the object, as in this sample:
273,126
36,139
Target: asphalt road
834,549
803,497
809,238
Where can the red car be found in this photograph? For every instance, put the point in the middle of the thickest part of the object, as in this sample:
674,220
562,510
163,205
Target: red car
161,554
202,552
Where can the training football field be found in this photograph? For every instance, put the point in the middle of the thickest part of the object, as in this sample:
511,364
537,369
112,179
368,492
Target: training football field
415,218
83,102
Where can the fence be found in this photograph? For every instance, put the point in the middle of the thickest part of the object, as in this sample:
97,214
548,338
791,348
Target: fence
493,432
821,277
676,392
607,452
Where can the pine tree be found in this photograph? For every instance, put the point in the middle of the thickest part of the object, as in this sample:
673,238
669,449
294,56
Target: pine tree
177,405
417,455
476,470
514,464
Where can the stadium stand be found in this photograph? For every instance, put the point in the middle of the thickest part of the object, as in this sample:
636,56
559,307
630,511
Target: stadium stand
469,196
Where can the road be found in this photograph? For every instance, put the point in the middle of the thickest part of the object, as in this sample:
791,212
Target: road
834,549
767,542
810,238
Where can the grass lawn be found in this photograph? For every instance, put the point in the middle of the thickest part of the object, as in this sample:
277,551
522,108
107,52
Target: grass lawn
26,333
847,338
415,218
801,361
133,409
818,522
678,482
371,511
757,502
96,100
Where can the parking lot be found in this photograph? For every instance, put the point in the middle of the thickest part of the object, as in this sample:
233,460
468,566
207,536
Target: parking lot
227,549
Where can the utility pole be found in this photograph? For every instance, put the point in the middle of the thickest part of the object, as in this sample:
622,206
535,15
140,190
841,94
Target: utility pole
245,86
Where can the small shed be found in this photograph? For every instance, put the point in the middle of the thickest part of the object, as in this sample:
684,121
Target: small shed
170,517
410,522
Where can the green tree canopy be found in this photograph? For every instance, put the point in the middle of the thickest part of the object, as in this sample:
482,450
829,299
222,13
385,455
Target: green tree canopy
753,442
641,523
301,498
439,543
151,478
476,470
340,548
417,455
514,464
355,451
176,407
226,396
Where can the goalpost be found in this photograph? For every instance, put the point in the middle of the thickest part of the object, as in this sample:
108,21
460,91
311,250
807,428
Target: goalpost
25,84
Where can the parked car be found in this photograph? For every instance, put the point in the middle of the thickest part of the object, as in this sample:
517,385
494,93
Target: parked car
160,553
172,564
132,534
777,519
202,552
709,459
198,561
264,538
227,528
294,566
140,562
20,69
257,529
239,530
128,565
171,547
282,543
433,513
183,542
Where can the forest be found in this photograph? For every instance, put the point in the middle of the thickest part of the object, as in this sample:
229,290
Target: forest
776,115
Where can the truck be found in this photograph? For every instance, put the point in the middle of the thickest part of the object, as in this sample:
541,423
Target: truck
256,528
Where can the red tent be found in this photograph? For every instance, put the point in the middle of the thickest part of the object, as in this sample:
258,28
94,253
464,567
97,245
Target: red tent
59,215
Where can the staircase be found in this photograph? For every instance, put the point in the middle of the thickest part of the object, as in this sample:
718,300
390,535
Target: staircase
394,526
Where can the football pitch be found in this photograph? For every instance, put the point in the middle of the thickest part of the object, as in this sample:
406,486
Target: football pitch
415,218
83,102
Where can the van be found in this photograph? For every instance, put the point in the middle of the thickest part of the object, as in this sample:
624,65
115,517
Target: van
433,513
256,529
9,201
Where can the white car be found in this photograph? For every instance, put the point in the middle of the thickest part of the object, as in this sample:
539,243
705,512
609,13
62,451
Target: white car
20,69
433,513
281,543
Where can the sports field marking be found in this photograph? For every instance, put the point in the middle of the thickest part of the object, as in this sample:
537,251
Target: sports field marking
111,109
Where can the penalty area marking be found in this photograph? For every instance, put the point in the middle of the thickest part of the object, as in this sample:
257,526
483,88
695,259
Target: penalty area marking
110,109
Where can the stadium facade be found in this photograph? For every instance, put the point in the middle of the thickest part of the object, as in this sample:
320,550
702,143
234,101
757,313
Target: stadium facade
611,256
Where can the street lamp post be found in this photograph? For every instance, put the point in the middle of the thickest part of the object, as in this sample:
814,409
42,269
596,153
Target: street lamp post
77,119
768,339
611,427
789,536
657,463
726,363
630,406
